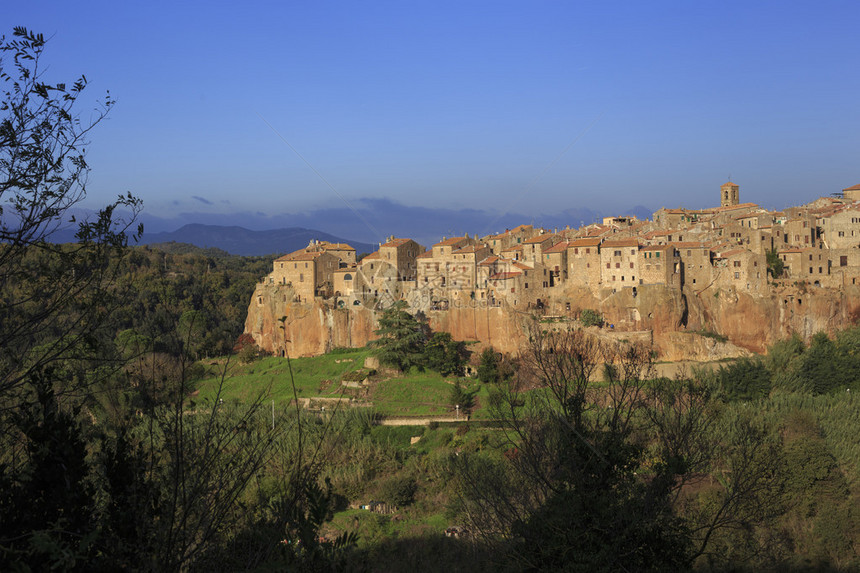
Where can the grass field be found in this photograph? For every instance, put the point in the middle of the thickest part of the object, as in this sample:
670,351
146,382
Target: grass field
316,376
414,394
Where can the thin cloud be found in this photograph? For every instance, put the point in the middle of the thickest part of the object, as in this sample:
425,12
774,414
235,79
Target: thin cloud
202,199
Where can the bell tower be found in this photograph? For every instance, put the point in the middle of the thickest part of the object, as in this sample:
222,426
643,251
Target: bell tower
729,194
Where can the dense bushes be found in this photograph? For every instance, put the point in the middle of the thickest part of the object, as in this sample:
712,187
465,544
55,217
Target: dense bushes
823,367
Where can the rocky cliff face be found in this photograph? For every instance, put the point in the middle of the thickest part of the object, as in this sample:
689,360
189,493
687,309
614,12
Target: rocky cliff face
682,324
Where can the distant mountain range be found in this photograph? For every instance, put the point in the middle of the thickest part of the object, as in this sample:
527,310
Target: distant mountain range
367,221
241,241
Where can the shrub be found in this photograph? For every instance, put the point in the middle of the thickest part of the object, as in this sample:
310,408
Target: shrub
398,490
589,317
745,379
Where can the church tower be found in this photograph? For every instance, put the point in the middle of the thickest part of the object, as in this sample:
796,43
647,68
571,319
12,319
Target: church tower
729,195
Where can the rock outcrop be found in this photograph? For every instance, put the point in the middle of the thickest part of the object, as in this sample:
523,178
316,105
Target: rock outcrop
682,324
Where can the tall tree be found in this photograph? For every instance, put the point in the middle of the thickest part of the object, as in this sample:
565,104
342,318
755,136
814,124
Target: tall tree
402,337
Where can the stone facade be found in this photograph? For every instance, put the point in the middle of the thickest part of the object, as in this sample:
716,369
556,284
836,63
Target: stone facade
532,270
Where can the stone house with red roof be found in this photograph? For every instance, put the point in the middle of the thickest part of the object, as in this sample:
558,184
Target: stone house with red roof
619,260
583,262
308,273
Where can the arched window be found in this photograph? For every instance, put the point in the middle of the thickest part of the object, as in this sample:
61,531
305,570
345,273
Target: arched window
347,277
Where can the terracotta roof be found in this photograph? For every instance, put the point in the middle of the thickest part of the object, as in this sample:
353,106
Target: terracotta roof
513,248
490,260
469,249
373,255
729,183
657,248
557,248
336,246
521,266
793,250
425,255
396,242
732,253
598,230
505,275
735,207
621,243
452,242
689,245
853,188
539,239
301,256
652,234
584,243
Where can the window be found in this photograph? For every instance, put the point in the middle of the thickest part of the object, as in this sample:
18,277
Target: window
347,277
617,265
617,253
301,278
737,275
631,265
843,261
587,251
607,265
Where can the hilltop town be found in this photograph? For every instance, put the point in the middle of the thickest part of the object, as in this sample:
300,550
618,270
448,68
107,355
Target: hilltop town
737,247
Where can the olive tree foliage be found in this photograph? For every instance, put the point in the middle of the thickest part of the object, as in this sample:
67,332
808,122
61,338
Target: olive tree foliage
594,477
54,297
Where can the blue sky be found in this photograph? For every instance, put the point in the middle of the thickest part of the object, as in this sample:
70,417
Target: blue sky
515,107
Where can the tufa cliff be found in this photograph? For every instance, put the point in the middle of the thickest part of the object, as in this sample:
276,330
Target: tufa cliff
682,324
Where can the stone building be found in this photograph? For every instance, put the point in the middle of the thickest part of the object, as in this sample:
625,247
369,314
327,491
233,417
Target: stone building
309,274
619,263
583,262
660,264
402,254
696,263
729,194
842,230
555,261
851,193
509,238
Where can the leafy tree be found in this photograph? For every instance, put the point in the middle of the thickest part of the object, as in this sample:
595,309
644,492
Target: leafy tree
402,337
56,298
775,265
445,355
